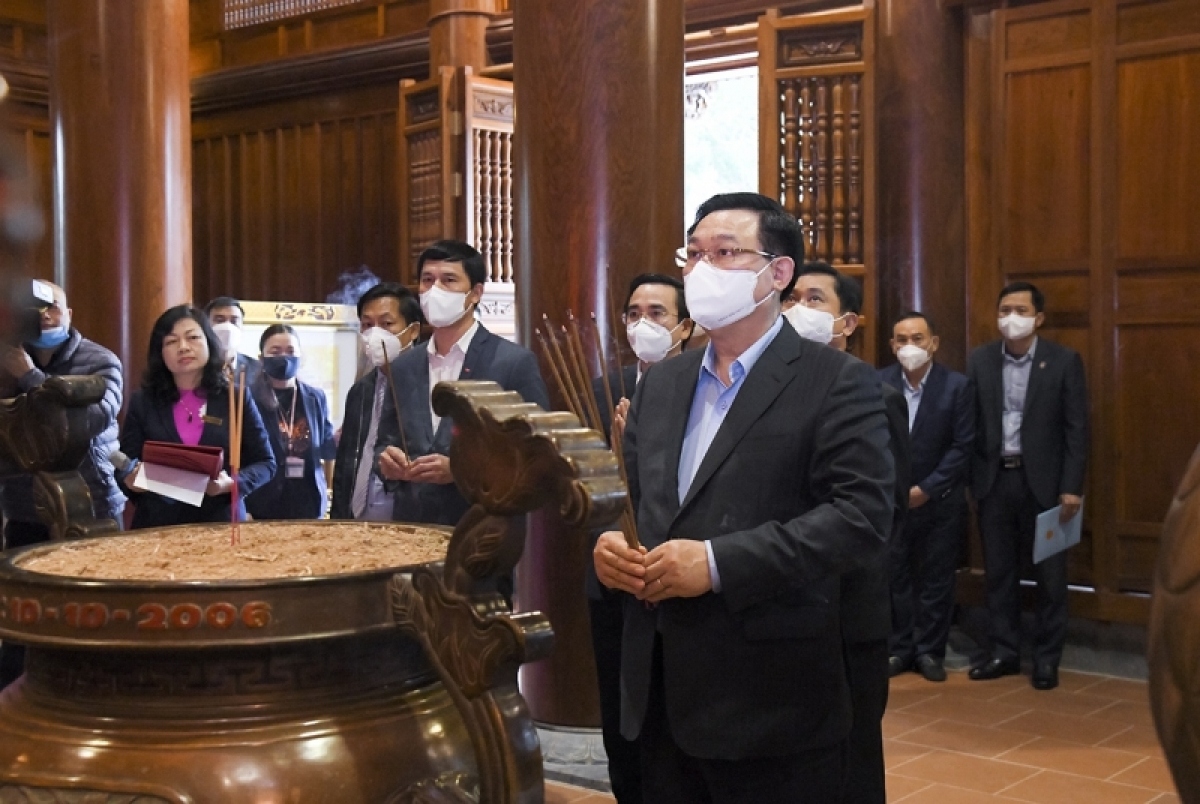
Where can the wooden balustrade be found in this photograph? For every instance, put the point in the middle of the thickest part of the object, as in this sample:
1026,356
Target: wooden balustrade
816,71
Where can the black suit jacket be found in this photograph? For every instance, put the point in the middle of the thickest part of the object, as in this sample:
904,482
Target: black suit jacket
866,611
943,431
148,420
795,491
489,357
272,501
1054,424
356,421
627,379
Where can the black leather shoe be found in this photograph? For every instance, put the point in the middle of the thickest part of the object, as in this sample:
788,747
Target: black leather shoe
1045,677
896,666
930,667
994,668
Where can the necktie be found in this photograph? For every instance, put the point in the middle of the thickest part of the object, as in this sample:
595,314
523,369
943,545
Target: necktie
366,459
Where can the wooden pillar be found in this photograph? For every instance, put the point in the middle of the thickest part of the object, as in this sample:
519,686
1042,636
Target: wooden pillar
922,236
458,34
599,198
120,119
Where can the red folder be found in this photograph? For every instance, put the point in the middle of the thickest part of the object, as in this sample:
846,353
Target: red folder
199,459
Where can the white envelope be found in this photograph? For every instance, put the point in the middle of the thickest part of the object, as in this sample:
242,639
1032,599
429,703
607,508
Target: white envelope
186,487
1052,536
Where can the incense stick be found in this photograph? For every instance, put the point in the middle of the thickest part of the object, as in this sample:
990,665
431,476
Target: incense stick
612,311
578,405
387,373
237,399
628,521
558,377
585,376
608,399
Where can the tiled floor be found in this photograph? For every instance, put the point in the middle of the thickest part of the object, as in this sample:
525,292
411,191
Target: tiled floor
1090,741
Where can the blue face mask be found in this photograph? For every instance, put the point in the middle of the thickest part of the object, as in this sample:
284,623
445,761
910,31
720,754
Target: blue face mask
281,367
51,338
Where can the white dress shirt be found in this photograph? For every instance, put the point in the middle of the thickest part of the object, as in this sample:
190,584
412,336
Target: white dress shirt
1016,385
447,367
913,395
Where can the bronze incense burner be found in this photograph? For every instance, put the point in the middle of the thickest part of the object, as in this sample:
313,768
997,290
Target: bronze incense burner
396,685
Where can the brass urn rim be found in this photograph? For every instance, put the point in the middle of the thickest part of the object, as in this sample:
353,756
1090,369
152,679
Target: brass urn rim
91,613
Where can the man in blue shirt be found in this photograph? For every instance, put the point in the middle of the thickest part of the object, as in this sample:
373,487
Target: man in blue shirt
760,474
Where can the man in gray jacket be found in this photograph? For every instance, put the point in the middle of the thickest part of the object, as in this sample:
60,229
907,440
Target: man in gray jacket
61,350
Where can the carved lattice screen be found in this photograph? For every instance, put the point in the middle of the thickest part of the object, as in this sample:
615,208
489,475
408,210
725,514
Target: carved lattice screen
817,129
430,177
244,13
488,114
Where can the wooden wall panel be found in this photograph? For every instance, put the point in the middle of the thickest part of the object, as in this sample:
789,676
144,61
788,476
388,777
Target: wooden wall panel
1088,157
1043,36
1148,22
283,209
1046,178
1157,425
349,26
1158,142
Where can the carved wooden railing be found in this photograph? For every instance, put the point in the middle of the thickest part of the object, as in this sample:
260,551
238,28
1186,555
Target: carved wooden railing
488,113
817,136
244,13
456,174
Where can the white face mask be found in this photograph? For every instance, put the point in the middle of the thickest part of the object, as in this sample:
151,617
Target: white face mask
717,298
381,346
651,342
912,357
443,308
1015,327
812,324
230,336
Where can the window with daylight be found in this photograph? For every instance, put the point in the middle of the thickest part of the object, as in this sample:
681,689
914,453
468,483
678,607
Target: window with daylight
720,135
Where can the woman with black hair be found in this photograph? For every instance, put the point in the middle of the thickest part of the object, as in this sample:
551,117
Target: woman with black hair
184,399
297,418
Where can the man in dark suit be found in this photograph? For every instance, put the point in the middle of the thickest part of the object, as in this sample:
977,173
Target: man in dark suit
760,474
1030,454
452,274
941,422
389,321
825,307
228,319
657,325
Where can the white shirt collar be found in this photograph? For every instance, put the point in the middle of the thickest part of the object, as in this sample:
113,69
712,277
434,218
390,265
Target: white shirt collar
461,345
919,385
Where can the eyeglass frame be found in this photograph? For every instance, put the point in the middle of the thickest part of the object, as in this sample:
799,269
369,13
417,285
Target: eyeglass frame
665,315
683,260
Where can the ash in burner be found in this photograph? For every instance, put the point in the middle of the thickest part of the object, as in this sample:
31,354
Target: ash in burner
267,550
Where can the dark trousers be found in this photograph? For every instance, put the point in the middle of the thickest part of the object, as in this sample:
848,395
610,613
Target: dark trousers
669,776
18,534
922,560
1007,521
867,672
624,757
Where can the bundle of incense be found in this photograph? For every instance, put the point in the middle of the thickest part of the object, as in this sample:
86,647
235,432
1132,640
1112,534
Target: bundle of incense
569,367
614,320
237,402
387,373
628,521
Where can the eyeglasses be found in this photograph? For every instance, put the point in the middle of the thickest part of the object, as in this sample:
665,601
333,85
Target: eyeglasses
719,257
660,317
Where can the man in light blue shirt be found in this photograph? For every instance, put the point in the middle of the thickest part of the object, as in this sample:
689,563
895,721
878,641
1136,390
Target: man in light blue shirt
760,475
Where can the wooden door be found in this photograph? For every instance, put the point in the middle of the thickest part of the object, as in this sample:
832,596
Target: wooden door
816,155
